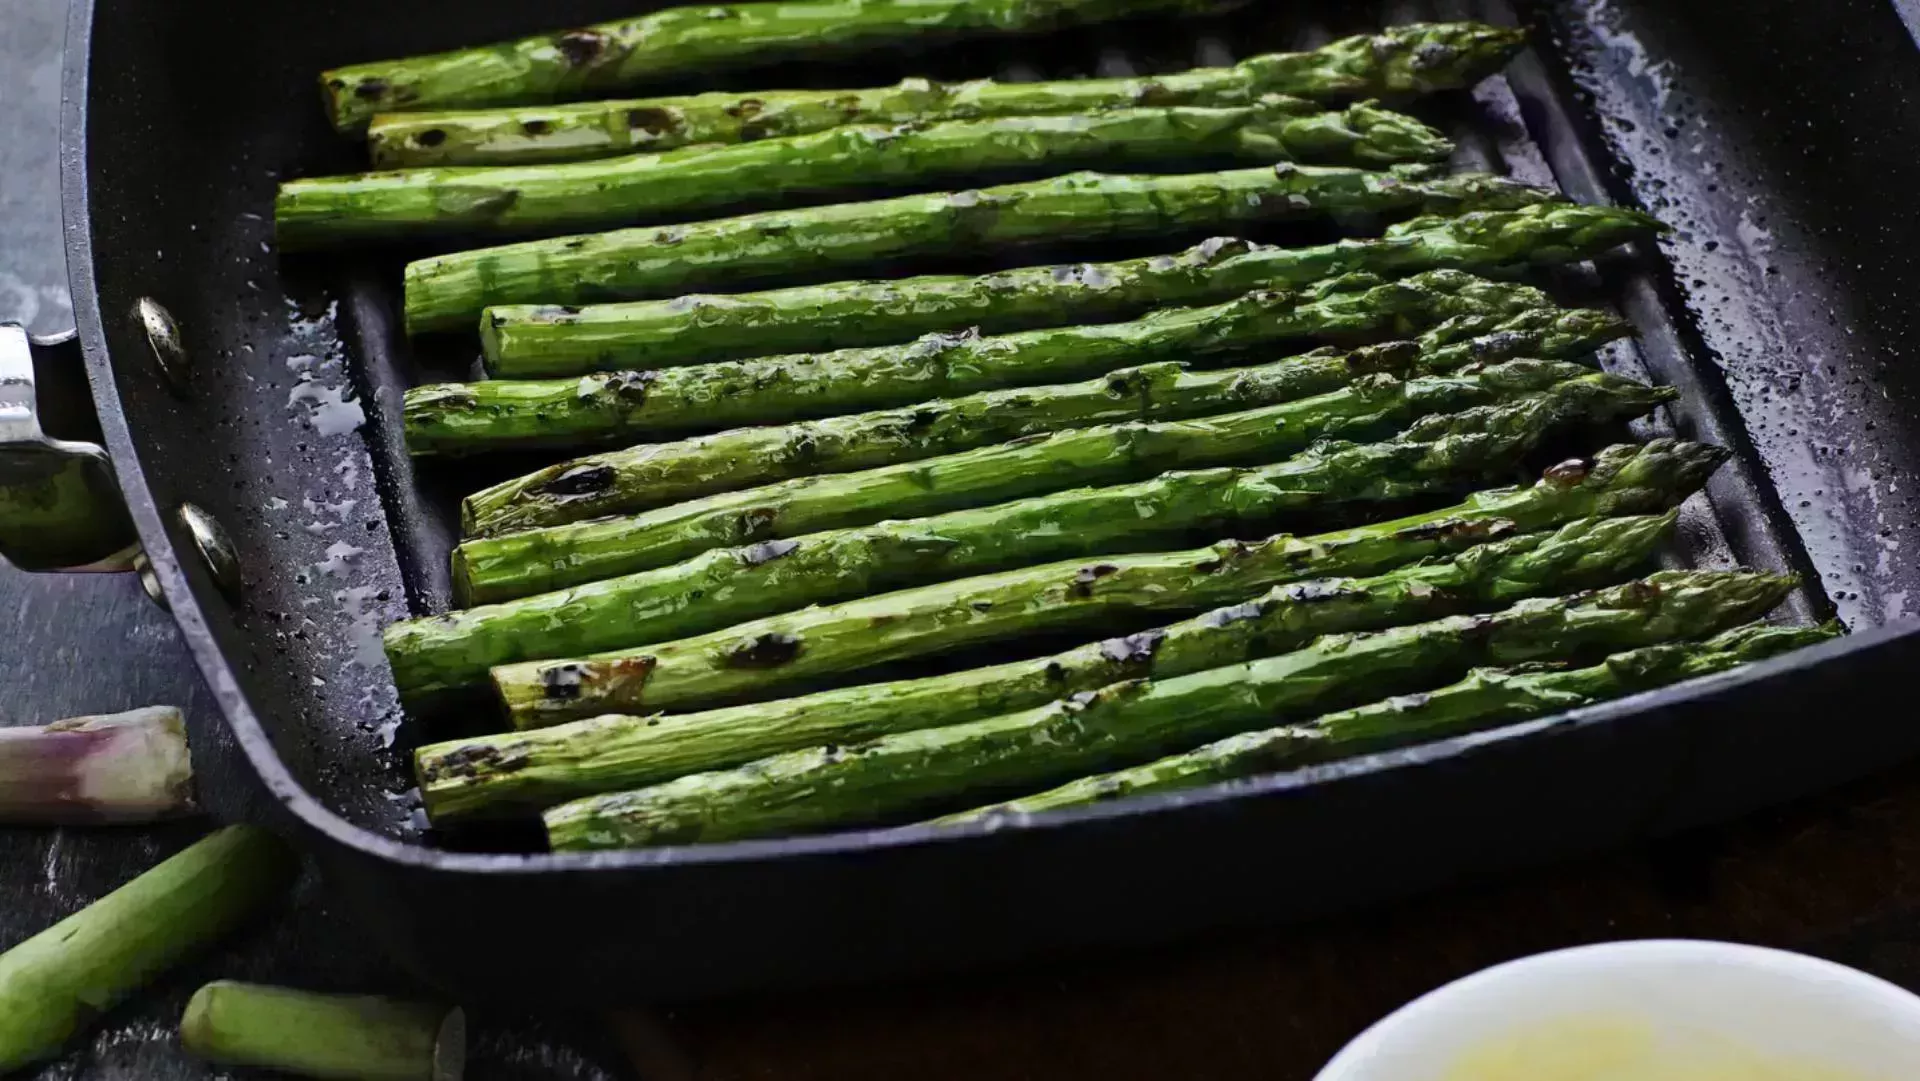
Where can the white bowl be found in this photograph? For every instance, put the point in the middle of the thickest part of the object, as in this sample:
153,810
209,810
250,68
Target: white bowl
1647,1011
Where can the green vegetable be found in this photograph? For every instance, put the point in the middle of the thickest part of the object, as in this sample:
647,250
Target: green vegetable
698,39
56,983
539,768
544,340
1486,698
757,659
911,773
731,585
448,292
540,561
350,1037
640,189
1399,61
462,418
656,474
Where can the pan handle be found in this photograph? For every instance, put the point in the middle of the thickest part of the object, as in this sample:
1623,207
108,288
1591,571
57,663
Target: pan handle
60,506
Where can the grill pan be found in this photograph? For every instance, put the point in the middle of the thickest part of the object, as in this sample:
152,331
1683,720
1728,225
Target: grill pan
1777,139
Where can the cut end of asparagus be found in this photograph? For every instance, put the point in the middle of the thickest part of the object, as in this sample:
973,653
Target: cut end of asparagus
125,767
300,1032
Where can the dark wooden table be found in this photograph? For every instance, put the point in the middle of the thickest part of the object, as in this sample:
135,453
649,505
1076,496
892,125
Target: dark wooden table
1839,876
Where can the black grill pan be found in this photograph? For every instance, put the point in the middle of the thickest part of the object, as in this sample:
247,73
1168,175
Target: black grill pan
1779,139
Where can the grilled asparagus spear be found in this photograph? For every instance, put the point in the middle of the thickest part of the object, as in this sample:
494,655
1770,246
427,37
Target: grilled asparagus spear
1123,723
767,656
448,292
805,504
694,41
1397,62
459,418
546,766
529,341
545,340
1486,698
639,189
729,584
522,564
653,475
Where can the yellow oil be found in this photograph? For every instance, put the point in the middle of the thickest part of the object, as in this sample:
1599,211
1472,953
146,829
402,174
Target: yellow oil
1624,1049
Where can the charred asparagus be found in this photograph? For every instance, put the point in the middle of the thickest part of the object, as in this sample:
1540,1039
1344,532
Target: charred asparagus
1399,61
539,768
449,292
544,340
909,773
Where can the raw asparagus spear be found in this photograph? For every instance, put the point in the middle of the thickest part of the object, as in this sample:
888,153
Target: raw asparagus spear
1397,62
754,660
448,292
124,767
694,41
537,769
544,340
956,486
1485,699
654,475
60,980
912,772
467,417
639,189
330,1036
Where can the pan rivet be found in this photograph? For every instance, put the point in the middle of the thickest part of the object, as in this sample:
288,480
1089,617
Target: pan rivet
149,581
163,335
215,550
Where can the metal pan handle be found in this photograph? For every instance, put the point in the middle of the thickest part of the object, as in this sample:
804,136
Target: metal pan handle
60,507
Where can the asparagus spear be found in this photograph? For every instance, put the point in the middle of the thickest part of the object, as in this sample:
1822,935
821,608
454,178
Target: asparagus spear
351,1037
758,659
694,41
1402,60
467,417
546,766
909,773
642,188
653,475
544,340
953,486
124,767
448,292
1485,699
58,981
484,566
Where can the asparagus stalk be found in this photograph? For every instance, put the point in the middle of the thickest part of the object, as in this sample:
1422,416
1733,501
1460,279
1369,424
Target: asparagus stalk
955,486
546,557
813,647
654,475
461,418
123,767
912,772
639,189
55,983
546,340
536,769
448,292
1485,699
726,586
695,40
351,1037
1400,61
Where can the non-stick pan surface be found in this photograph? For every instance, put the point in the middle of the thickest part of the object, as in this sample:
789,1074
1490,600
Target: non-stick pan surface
1775,139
